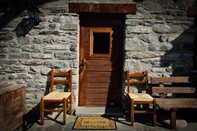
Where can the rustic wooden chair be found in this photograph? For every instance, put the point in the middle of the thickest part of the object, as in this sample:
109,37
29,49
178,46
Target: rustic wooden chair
64,98
138,98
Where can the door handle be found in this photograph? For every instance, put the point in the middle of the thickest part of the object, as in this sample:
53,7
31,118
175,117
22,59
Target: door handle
83,63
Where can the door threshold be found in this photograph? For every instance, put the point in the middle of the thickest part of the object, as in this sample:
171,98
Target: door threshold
99,111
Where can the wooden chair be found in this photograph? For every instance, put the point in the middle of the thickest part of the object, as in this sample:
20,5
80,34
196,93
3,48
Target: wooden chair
64,98
138,98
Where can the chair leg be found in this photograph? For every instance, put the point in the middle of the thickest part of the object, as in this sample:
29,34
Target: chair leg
128,111
42,111
154,112
64,110
51,107
132,112
70,104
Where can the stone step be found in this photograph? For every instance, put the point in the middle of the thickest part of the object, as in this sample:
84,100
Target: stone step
99,111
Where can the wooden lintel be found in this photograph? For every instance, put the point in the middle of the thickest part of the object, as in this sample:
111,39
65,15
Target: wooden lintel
192,11
102,8
3,7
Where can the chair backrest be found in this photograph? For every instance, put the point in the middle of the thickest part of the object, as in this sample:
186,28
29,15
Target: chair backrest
137,78
54,79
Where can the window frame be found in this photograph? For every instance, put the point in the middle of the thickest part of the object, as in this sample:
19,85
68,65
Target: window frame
100,30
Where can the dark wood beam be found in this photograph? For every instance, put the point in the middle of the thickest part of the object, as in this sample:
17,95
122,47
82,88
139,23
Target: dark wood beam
192,11
102,8
3,7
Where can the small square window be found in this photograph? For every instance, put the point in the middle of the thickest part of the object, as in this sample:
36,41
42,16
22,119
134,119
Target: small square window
101,43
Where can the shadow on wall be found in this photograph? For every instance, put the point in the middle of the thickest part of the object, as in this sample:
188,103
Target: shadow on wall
195,49
180,55
12,10
181,58
28,23
24,27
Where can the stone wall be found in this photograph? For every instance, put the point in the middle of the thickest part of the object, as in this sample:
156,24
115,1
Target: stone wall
28,51
159,38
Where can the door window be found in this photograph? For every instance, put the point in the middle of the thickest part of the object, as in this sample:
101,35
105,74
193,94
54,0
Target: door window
100,42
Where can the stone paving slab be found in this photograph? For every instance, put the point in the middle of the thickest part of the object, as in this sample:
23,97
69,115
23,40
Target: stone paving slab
123,124
142,122
98,111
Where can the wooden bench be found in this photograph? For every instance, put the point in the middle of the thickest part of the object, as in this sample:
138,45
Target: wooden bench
183,90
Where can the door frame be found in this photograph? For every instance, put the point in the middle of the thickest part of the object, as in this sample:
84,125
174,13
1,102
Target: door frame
83,16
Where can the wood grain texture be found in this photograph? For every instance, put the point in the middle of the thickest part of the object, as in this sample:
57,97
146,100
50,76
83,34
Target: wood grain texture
12,108
100,74
177,102
102,8
183,89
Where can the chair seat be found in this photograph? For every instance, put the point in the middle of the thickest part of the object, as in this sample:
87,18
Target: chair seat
140,97
57,95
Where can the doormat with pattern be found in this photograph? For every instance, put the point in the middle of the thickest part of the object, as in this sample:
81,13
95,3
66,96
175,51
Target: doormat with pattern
95,123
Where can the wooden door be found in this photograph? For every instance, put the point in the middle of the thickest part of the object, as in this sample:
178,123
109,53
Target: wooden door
101,52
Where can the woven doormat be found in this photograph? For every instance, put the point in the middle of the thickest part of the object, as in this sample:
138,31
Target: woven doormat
95,123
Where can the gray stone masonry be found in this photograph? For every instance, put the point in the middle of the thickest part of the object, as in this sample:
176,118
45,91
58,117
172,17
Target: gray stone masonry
158,38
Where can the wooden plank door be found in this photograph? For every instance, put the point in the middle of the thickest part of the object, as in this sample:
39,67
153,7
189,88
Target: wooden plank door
101,48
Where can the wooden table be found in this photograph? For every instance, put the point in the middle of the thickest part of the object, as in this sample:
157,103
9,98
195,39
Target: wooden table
12,106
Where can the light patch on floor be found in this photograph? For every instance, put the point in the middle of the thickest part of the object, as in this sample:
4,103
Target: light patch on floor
99,111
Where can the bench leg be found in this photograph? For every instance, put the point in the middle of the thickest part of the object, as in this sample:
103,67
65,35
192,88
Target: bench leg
173,119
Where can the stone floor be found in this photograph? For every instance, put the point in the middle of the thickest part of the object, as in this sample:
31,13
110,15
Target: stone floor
89,111
142,122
